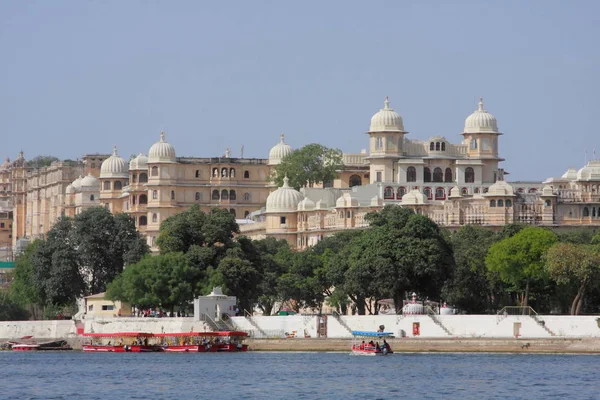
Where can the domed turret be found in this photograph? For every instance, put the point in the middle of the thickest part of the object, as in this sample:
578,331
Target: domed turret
591,172
413,197
69,189
139,163
386,120
306,205
76,185
570,174
454,192
6,165
279,151
284,199
114,166
481,121
161,152
500,188
90,183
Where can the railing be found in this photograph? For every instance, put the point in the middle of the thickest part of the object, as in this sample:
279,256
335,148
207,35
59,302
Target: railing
250,318
526,311
431,314
220,325
339,319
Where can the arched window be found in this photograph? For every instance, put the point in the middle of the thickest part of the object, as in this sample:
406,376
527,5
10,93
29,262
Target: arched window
448,175
154,217
143,177
427,193
431,146
508,203
154,171
586,212
232,172
133,199
247,196
520,190
143,220
232,211
401,192
473,144
464,191
443,146
198,196
533,190
500,203
388,192
438,175
197,173
246,174
437,146
106,185
440,194
215,194
469,175
411,174
477,190
426,174
246,213
134,178
118,185
485,190
215,172
548,203
143,199
224,195
593,211
232,195
91,197
172,195
224,172
492,203
355,180
155,194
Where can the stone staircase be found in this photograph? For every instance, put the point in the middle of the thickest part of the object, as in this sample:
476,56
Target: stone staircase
524,311
431,314
339,319
220,325
252,322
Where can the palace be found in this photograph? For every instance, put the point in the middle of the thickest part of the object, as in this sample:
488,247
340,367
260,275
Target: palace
453,184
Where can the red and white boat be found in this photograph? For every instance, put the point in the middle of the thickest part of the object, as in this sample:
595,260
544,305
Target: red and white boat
24,347
202,342
367,343
120,342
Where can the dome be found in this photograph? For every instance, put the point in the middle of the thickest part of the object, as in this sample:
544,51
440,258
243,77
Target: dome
570,174
346,200
591,172
386,120
279,151
455,192
500,188
284,199
114,167
547,191
76,185
161,151
413,197
481,121
6,165
69,189
306,205
90,182
140,162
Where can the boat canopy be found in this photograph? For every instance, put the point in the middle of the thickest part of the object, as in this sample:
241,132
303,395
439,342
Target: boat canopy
119,334
372,334
218,333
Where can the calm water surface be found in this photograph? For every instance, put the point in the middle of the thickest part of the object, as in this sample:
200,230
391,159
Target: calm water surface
295,376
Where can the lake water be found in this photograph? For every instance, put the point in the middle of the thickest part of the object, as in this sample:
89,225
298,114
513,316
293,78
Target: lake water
261,375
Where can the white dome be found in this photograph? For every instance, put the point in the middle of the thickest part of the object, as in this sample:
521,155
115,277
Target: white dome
481,121
413,197
455,192
114,167
500,188
138,163
306,205
6,166
284,199
570,174
346,200
279,151
591,172
547,191
90,183
69,189
386,120
76,185
161,151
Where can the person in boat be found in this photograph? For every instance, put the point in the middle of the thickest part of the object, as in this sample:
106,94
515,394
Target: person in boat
386,346
362,345
109,343
377,348
146,342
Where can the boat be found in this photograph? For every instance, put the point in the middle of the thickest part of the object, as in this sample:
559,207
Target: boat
203,342
24,347
120,342
366,343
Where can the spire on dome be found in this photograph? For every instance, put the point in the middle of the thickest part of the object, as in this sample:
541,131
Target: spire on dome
114,150
162,136
286,182
481,104
281,138
386,103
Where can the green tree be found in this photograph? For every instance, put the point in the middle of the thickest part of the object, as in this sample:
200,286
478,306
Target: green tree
301,282
41,161
272,269
309,165
519,259
11,310
574,264
24,289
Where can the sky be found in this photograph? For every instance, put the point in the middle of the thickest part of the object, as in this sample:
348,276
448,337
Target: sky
78,77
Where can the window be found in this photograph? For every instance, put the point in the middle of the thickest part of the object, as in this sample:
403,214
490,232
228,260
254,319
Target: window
246,196
469,175
172,195
155,194
232,212
473,144
508,203
282,220
1,224
154,171
586,212
143,199
215,195
93,165
464,191
378,143
379,178
438,175
427,193
133,200
118,185
548,203
411,174
224,195
476,190
91,307
134,178
437,146
198,196
355,180
224,172
143,177
443,146
440,194
500,203
520,190
448,175
492,203
231,172
91,197
197,173
154,217
232,195
401,192
388,193
215,172
485,190
108,308
246,174
143,220
485,144
106,185
426,174
532,190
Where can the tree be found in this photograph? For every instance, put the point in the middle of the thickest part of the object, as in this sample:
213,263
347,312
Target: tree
272,268
24,290
11,310
519,259
574,264
309,165
301,283
41,161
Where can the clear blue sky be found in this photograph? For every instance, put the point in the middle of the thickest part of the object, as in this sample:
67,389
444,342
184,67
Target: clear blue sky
80,76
